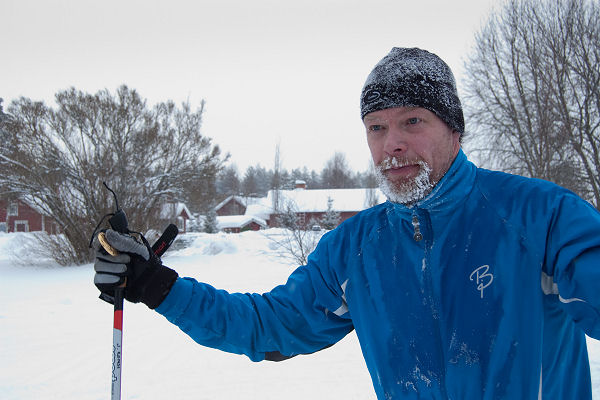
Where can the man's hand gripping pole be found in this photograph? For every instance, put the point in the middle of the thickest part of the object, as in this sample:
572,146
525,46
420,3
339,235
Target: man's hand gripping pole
118,222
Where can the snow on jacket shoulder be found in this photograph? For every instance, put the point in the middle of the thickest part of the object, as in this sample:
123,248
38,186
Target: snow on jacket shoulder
483,290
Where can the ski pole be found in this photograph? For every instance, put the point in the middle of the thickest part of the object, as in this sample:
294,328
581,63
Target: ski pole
117,351
117,345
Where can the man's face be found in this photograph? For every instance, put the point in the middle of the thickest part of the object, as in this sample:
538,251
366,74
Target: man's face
412,149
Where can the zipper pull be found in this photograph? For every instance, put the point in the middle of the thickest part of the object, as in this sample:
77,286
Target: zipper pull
417,236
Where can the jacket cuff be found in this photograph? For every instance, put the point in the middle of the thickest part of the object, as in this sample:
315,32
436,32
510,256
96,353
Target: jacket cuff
159,287
177,300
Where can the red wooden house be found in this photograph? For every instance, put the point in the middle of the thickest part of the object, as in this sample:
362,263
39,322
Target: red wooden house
240,223
177,213
235,205
19,216
311,205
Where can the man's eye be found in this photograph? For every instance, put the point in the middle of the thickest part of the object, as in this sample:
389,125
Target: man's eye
375,128
413,121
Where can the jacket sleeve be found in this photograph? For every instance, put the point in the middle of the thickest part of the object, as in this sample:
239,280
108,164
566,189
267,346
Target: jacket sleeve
572,267
294,318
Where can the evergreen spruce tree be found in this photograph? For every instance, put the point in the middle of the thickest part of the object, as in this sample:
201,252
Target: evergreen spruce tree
331,219
210,224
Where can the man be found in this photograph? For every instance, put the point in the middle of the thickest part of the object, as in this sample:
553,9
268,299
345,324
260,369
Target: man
466,284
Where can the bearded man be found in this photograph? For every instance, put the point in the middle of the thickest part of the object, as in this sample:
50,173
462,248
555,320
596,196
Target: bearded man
465,284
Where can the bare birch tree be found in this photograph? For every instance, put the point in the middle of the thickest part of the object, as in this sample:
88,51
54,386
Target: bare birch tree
295,240
337,174
276,179
533,93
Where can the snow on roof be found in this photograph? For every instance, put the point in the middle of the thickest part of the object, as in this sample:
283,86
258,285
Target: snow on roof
170,210
238,221
34,206
261,210
316,200
245,201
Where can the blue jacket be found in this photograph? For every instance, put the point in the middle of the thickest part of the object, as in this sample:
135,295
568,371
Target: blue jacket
483,290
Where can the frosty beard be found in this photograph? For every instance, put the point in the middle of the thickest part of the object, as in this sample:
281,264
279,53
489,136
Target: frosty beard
407,192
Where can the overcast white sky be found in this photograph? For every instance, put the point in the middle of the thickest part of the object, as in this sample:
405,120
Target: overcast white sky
269,70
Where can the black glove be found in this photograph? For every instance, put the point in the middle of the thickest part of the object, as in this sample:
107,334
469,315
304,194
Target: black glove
147,280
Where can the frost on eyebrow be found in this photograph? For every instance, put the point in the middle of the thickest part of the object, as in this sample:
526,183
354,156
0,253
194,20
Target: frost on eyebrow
371,119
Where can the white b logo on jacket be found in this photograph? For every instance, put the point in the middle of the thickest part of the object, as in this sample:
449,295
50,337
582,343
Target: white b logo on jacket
482,278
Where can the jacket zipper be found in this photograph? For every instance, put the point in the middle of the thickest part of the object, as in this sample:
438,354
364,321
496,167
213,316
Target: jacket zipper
417,236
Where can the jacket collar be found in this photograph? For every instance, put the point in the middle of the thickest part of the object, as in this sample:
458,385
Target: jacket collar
449,192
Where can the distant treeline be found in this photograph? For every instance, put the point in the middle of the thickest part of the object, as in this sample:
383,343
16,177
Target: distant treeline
258,180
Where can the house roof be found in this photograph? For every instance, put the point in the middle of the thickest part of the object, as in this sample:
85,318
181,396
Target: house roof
238,221
170,210
261,210
28,201
243,200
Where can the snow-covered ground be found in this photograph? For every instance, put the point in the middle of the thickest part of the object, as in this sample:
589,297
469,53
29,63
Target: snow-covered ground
56,335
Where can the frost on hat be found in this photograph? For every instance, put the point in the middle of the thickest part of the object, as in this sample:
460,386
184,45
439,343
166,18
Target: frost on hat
413,78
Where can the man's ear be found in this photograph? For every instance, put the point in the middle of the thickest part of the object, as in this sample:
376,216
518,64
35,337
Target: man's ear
459,137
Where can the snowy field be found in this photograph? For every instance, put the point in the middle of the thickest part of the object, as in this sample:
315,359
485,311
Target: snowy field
56,335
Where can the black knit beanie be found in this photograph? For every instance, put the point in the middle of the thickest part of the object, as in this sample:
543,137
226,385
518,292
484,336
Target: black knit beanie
413,78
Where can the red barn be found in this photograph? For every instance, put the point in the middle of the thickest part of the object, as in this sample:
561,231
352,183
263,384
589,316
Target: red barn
18,216
235,205
240,223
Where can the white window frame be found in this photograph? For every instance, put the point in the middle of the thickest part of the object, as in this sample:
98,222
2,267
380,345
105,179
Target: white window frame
22,222
13,209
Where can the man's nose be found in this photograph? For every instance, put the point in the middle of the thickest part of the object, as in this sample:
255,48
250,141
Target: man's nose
396,142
